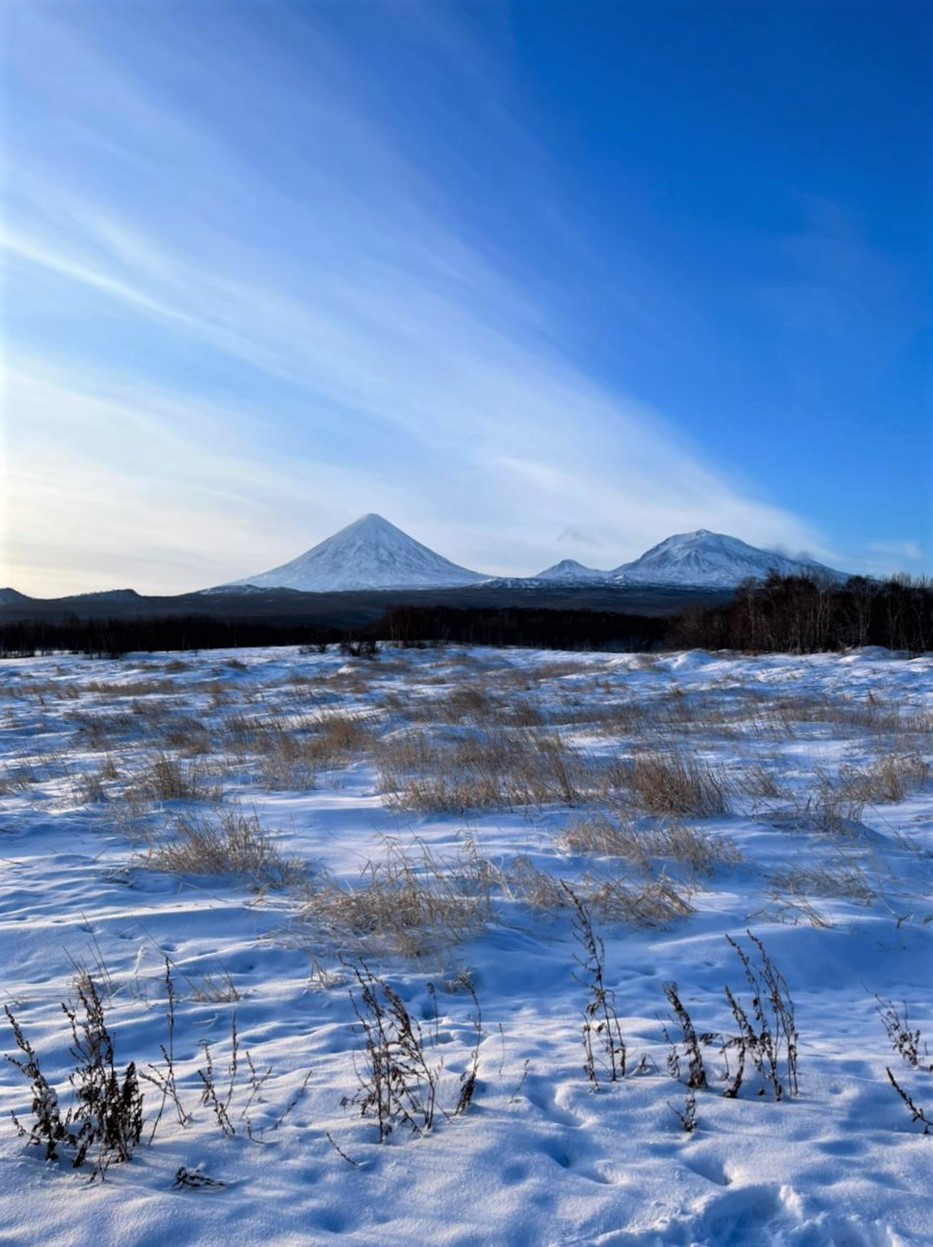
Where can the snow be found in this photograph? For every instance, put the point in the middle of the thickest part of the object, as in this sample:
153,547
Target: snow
540,1159
373,554
713,560
106,595
569,570
370,553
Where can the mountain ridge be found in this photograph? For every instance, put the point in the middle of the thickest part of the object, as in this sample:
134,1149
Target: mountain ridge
371,553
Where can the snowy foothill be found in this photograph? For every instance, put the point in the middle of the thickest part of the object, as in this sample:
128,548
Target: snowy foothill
549,867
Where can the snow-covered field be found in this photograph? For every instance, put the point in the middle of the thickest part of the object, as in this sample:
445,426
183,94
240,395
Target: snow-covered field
270,823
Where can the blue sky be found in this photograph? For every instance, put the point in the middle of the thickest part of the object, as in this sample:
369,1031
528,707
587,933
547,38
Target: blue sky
533,280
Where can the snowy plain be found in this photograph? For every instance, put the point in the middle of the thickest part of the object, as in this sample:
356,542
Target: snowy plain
419,811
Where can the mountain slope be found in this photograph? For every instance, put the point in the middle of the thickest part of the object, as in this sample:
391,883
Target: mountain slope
569,571
713,560
371,553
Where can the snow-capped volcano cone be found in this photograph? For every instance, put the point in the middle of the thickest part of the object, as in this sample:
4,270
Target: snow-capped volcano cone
370,553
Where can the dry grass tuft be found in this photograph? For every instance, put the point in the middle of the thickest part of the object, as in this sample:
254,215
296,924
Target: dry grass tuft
698,851
524,882
890,779
167,779
670,783
289,751
230,843
651,904
19,776
482,770
758,781
410,902
847,881
644,904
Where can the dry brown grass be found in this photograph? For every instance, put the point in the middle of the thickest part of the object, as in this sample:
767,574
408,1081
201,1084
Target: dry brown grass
228,843
643,903
481,770
845,880
410,902
658,716
290,750
698,851
760,781
524,882
117,690
102,730
836,801
465,703
830,807
20,776
673,783
651,904
165,778
475,704
175,666
850,717
888,780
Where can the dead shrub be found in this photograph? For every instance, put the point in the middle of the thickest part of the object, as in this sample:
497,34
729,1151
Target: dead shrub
909,1045
105,1120
603,1045
401,1074
767,1037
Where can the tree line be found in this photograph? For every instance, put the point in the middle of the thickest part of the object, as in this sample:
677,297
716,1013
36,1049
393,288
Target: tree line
800,615
785,614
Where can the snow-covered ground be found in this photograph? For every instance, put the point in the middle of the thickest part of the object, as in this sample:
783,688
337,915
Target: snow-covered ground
419,812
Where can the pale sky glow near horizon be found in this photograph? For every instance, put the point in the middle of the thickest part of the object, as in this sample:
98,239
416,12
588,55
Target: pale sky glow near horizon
533,280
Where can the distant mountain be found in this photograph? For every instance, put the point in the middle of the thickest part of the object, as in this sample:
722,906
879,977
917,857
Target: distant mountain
368,554
569,571
12,597
713,560
104,595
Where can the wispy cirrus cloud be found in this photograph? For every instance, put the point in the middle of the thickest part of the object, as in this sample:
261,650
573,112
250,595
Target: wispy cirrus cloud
906,555
233,327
